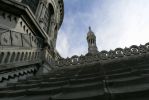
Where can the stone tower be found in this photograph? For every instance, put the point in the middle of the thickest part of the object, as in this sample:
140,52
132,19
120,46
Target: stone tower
91,39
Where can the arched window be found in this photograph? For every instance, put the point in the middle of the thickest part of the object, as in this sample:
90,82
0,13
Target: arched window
48,17
32,4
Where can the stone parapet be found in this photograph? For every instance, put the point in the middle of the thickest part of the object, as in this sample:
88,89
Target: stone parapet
106,56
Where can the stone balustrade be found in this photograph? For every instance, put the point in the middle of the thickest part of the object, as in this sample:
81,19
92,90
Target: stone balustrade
104,55
19,57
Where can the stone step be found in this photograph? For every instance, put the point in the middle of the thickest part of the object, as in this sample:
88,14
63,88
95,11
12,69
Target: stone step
123,75
144,71
122,79
142,66
10,93
31,91
92,92
116,67
52,79
130,82
89,71
122,70
32,81
40,97
47,78
141,90
88,75
33,85
86,80
85,84
61,78
82,95
82,87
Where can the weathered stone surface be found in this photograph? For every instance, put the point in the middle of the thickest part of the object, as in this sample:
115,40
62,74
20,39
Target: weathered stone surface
27,50
123,80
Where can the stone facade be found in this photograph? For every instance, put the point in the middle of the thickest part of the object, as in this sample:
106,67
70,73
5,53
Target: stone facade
28,33
32,69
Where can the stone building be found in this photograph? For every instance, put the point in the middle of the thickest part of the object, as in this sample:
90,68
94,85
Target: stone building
32,69
28,33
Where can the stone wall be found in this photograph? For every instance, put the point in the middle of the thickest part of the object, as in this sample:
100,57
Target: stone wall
26,49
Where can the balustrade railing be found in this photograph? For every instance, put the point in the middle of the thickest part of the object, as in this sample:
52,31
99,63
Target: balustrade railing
104,55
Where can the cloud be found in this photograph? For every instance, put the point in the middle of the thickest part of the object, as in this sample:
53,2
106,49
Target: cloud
116,23
125,23
63,45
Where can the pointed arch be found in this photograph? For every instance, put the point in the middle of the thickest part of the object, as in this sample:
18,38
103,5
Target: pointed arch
48,18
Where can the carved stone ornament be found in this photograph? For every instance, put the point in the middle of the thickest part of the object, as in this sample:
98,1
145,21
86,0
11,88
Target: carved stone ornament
127,51
119,52
104,55
112,54
142,49
134,49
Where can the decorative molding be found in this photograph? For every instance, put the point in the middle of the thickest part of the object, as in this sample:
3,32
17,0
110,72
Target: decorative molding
104,55
15,73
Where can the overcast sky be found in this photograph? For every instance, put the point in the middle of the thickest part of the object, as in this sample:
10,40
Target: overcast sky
116,23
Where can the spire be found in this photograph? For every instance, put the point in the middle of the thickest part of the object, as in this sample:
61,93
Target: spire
90,29
90,32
